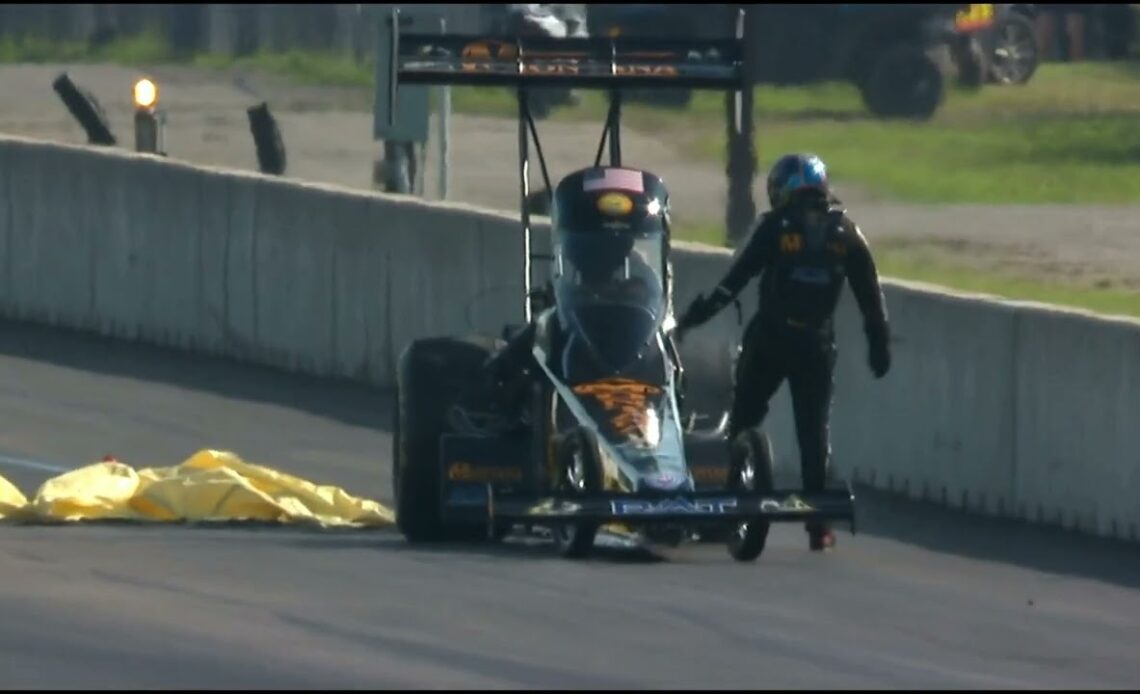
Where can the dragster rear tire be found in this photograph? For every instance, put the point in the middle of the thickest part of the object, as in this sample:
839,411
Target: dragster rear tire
431,374
753,449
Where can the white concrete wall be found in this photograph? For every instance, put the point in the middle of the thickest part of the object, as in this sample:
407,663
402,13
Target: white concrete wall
309,278
1000,407
1077,385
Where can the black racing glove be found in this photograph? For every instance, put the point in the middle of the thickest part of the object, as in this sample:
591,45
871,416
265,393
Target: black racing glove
700,310
879,352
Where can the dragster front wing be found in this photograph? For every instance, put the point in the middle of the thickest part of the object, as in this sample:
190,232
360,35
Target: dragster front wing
480,503
485,479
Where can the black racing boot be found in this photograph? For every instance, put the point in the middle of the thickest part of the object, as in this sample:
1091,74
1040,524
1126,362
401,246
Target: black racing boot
821,538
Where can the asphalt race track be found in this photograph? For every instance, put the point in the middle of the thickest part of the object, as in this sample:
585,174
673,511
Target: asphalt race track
921,598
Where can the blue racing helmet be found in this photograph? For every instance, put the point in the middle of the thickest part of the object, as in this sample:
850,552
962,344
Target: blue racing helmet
796,173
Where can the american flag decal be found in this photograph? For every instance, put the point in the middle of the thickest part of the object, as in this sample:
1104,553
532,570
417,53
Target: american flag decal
614,179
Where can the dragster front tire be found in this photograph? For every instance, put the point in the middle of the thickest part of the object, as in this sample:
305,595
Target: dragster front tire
576,540
750,469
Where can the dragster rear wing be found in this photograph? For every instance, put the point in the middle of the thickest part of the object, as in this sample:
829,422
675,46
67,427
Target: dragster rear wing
612,64
602,63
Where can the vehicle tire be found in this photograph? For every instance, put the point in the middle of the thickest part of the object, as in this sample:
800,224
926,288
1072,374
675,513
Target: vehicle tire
431,374
750,470
903,82
1014,54
580,472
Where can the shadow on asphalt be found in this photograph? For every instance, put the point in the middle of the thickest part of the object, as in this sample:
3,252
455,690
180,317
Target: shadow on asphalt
342,400
1008,541
523,548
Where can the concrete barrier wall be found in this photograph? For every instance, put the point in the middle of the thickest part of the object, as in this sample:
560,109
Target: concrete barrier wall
999,407
309,278
1077,384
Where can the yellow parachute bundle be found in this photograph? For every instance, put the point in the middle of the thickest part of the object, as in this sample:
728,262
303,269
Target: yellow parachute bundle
209,486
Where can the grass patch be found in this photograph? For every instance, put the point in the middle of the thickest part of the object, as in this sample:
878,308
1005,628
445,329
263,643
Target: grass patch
919,263
301,66
147,47
151,48
1068,136
1090,159
911,266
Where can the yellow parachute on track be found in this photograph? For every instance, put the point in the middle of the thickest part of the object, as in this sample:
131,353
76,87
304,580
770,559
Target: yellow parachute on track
209,486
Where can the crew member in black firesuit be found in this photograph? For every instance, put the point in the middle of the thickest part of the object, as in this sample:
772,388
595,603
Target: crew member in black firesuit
805,246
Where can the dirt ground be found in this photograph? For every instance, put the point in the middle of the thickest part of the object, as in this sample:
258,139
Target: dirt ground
327,134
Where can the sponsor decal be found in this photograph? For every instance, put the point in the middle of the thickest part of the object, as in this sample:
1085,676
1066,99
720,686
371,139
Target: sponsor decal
550,507
703,507
710,474
466,472
615,204
467,495
646,70
790,503
810,274
791,243
570,68
485,50
663,480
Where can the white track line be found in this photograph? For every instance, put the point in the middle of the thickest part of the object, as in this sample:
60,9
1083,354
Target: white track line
32,464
